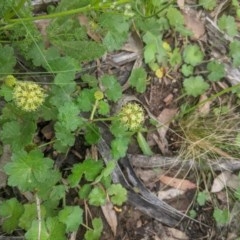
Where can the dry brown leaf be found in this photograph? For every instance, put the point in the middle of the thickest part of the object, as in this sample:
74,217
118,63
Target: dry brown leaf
181,3
168,99
178,183
133,44
147,176
165,117
195,25
48,131
204,109
175,234
225,179
110,216
219,183
42,25
170,193
233,182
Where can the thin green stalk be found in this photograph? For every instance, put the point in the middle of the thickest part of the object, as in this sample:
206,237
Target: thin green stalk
10,13
69,12
94,110
226,90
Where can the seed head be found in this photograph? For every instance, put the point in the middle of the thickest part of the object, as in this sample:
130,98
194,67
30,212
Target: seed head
132,116
28,96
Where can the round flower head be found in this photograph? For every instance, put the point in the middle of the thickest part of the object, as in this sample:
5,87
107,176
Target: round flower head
28,96
10,80
132,116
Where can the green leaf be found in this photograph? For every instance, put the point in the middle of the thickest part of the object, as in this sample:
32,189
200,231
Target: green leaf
90,168
36,53
228,24
208,4
90,80
69,116
149,53
119,147
152,25
29,215
237,192
221,216
117,28
7,59
86,99
6,92
27,170
175,17
18,134
118,194
66,68
92,134
33,232
143,144
103,108
71,216
195,86
202,198
138,79
60,94
175,58
51,229
94,234
68,36
90,50
109,168
68,121
235,53
187,70
154,51
97,197
192,55
216,70
44,188
57,192
65,138
118,129
113,89
84,191
192,213
11,210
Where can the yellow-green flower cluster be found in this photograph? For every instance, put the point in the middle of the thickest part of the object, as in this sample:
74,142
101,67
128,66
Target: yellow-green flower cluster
132,116
28,96
10,80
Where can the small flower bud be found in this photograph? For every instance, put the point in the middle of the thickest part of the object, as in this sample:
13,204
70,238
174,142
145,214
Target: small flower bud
132,116
28,96
98,95
10,80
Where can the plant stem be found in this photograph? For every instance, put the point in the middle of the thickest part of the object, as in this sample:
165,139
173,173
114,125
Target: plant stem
69,12
94,110
226,90
39,216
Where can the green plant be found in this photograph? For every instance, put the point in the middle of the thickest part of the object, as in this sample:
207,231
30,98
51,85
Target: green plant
60,102
221,216
195,86
209,5
41,84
